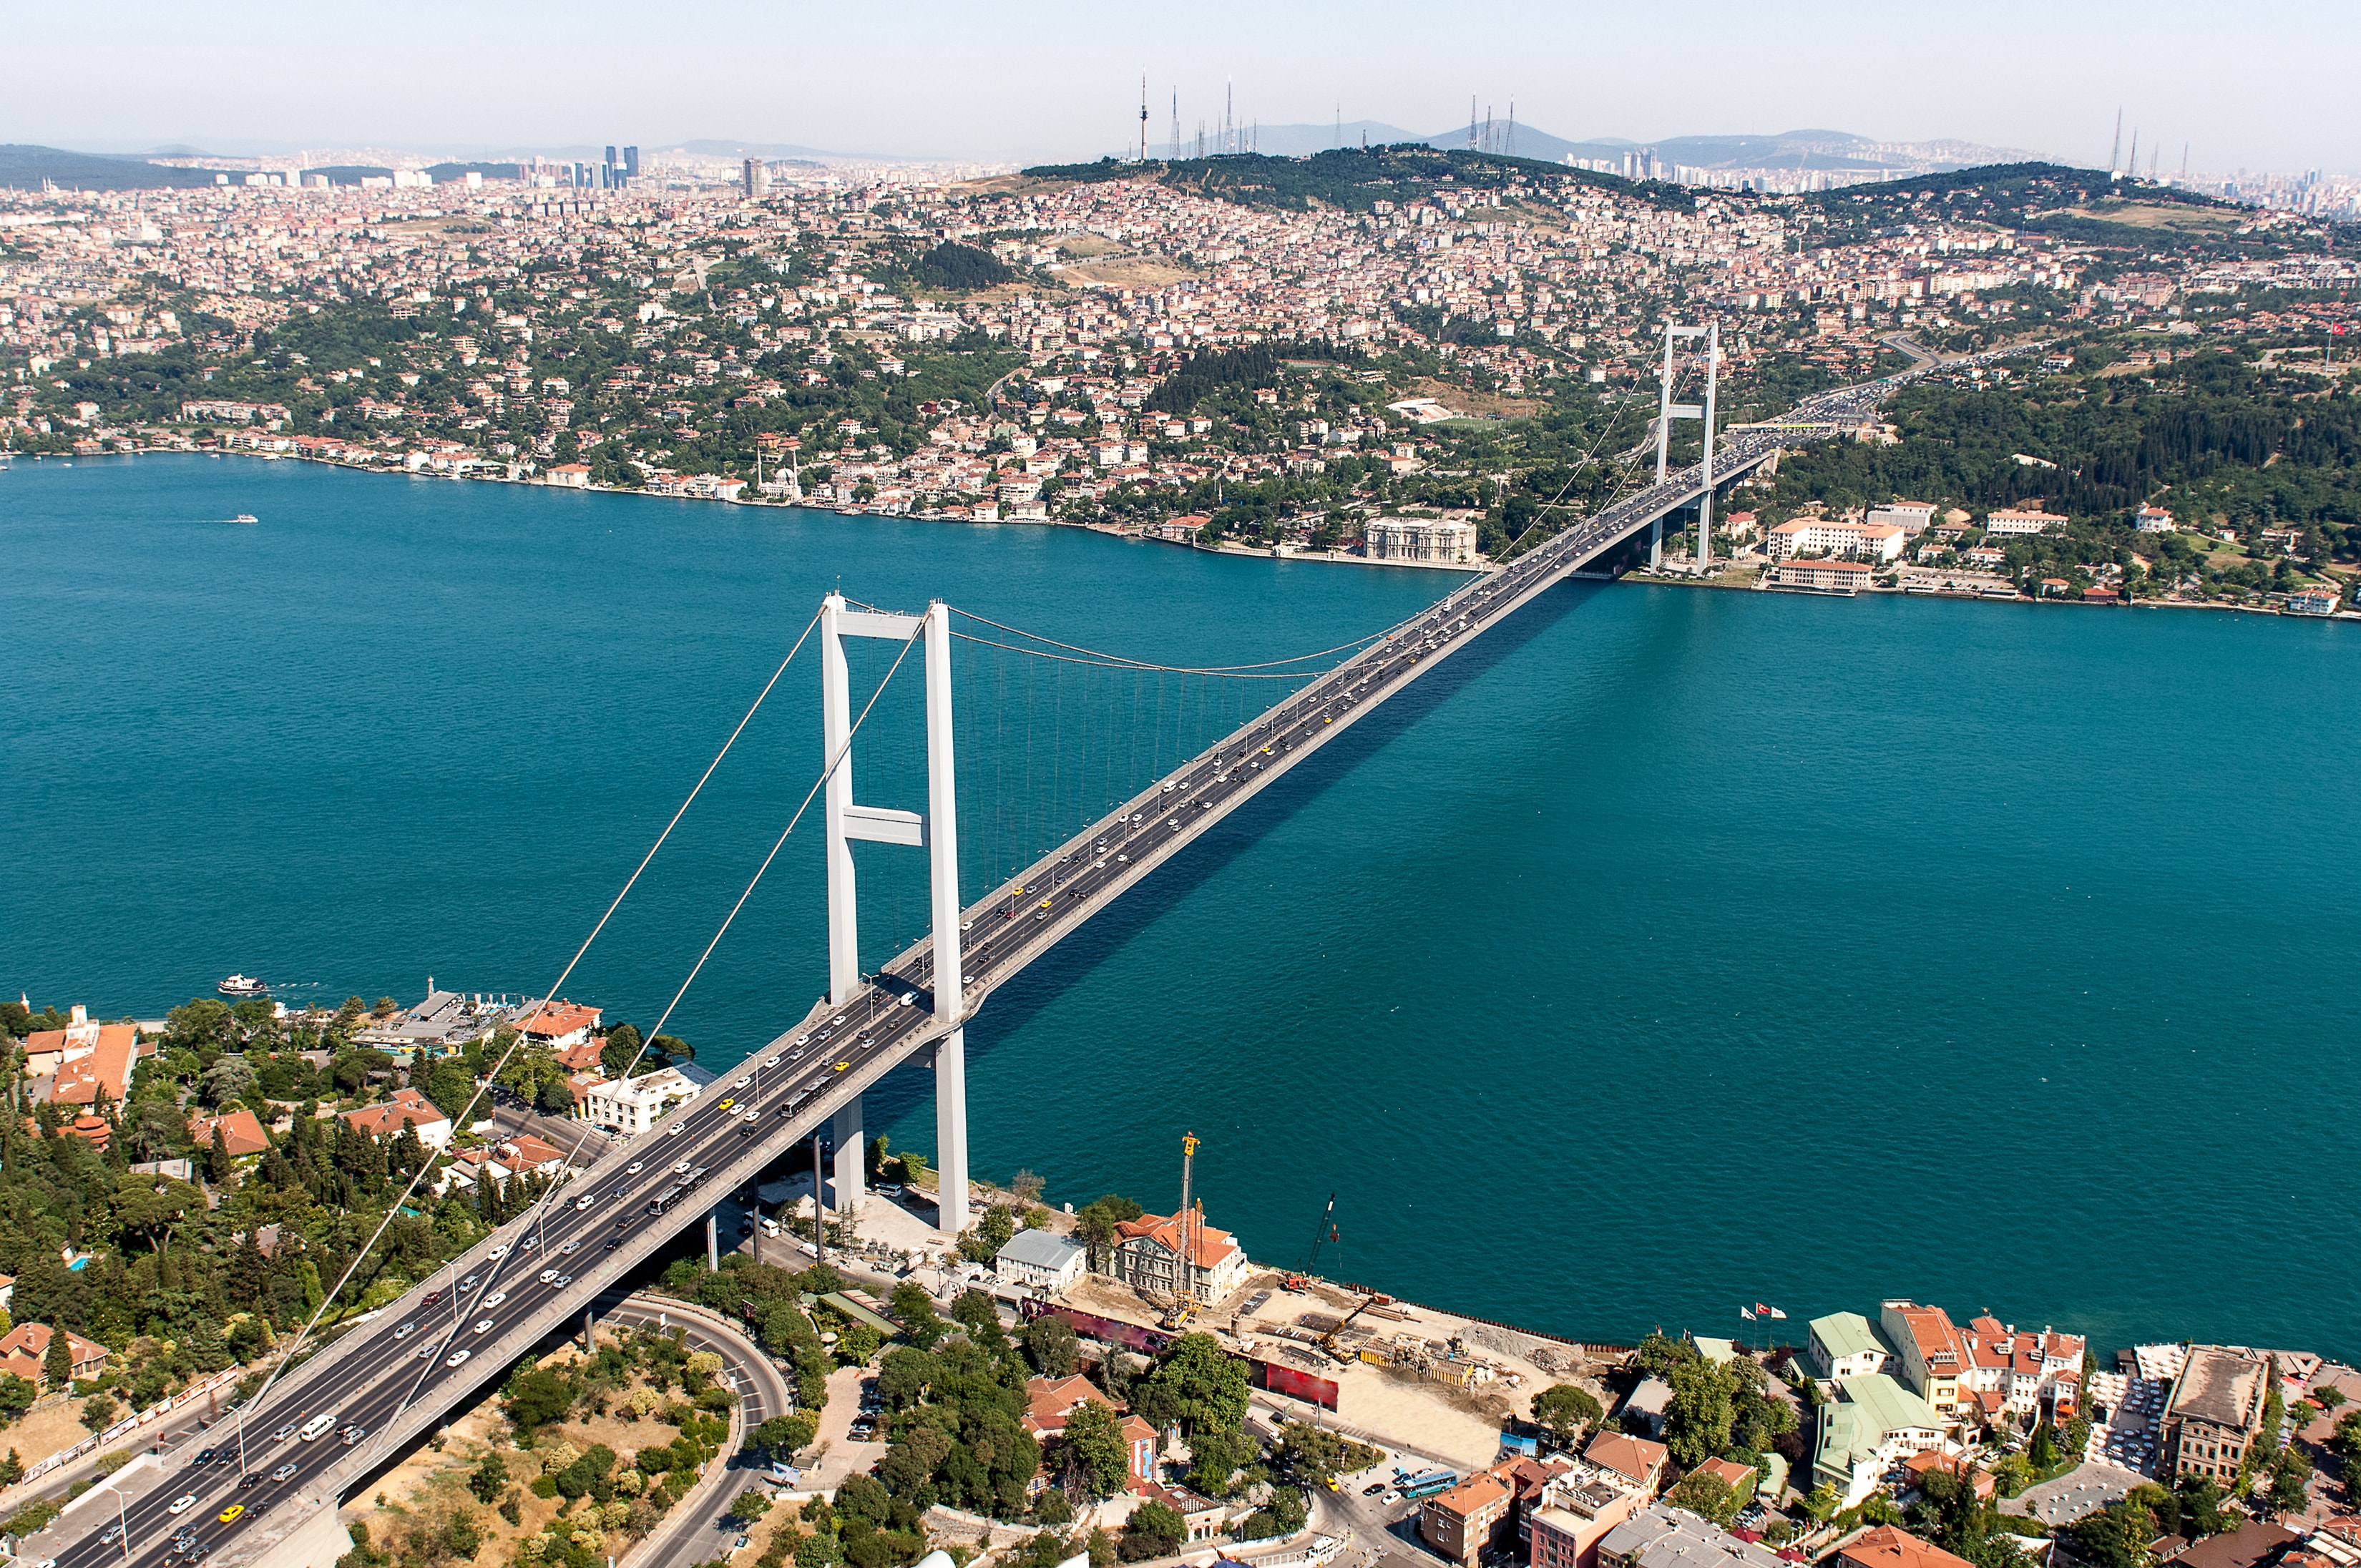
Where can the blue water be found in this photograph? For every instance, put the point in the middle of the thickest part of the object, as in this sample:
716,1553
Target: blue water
1668,950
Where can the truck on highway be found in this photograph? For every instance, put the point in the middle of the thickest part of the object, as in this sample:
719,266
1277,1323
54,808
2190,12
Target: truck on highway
318,1426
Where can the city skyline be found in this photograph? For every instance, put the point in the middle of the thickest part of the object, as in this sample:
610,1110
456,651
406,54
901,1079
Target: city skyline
965,86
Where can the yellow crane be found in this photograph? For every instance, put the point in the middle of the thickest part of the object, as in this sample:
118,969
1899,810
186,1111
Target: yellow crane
1184,1299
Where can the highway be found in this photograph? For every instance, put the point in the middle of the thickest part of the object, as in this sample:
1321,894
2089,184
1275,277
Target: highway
396,1375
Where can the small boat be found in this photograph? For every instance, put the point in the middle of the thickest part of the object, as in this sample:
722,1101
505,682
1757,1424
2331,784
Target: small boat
243,985
246,517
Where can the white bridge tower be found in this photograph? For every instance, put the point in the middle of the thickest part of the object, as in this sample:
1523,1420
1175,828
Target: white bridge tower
936,830
1668,410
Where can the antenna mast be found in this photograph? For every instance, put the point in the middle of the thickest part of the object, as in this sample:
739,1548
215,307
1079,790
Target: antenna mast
2114,153
1143,116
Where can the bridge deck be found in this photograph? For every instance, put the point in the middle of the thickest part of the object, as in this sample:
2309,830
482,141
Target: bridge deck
393,1373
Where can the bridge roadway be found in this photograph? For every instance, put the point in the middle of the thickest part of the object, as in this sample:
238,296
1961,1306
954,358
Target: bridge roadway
392,1375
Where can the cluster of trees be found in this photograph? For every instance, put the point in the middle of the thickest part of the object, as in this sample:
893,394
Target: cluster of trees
1718,1409
2118,1535
2218,440
1356,179
178,1289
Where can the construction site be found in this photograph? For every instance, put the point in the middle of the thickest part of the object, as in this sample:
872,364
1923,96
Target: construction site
1398,1372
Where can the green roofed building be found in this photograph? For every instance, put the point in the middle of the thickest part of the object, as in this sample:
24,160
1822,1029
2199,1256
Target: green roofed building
1846,1344
1871,1423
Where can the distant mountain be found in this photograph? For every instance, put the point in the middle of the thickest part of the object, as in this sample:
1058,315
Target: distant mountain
746,149
1822,149
24,167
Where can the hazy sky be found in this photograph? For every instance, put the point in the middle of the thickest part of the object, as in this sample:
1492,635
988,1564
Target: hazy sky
2261,85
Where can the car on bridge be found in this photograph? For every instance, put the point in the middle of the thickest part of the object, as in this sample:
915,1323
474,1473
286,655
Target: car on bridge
230,1514
285,1471
458,1357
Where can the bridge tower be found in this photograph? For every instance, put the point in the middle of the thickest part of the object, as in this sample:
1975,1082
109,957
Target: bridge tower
936,830
1668,410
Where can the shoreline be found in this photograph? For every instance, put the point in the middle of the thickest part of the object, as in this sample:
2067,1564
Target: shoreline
1639,577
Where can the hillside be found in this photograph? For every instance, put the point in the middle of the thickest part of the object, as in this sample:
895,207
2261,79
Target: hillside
24,166
1352,178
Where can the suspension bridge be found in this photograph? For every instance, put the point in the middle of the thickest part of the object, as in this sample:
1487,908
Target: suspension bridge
389,1378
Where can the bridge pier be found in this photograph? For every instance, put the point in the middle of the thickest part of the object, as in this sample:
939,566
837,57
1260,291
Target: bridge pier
713,1241
851,1154
950,1131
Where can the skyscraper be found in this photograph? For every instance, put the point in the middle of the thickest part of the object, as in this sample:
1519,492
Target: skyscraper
631,163
757,176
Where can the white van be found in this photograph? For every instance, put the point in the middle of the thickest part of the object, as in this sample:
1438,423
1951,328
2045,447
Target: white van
318,1427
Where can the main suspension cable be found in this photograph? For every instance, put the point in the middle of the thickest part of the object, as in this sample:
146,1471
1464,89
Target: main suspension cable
467,1115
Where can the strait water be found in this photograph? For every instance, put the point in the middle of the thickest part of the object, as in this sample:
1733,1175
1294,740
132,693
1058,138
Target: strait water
1666,951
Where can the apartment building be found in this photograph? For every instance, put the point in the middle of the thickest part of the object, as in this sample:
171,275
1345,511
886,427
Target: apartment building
2215,1412
1933,1355
2023,1373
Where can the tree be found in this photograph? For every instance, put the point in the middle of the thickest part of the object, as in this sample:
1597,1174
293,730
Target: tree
1050,1342
537,1397
781,1436
1091,1450
1659,1353
1566,1410
1215,1457
914,1311
489,1476
1156,1530
16,1397
57,1362
1198,1385
1096,1222
1312,1456
1708,1496
218,1164
2114,1537
230,1079
1698,1416
621,1049
98,1413
751,1505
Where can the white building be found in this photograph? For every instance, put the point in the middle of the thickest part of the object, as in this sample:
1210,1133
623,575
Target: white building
2155,519
2007,521
632,1105
1148,1258
1874,542
1039,1260
1910,517
1420,539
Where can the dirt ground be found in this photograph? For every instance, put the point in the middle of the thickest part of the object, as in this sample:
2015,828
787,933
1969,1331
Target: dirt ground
1399,1404
44,1433
1130,272
1467,400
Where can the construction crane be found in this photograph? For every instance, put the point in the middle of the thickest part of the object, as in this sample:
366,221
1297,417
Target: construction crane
1184,1299
1321,1237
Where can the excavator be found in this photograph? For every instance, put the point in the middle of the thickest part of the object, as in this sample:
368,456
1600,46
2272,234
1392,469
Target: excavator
1328,1341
